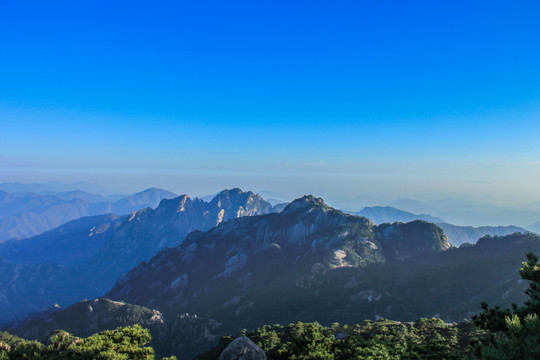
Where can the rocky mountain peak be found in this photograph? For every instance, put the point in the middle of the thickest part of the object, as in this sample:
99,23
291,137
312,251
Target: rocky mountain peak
237,203
177,204
305,203
415,238
231,195
233,191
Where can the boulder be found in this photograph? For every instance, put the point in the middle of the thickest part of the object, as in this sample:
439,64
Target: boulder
242,348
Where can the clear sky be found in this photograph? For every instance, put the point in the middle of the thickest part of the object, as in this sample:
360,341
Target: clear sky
388,98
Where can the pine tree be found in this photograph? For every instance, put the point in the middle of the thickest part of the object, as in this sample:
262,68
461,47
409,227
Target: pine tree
516,331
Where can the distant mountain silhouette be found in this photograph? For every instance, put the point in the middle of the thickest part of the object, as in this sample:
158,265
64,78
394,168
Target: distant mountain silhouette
71,244
456,234
388,214
53,187
23,215
471,213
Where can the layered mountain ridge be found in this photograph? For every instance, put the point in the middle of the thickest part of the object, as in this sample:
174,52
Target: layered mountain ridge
147,231
91,270
309,262
23,215
456,234
70,244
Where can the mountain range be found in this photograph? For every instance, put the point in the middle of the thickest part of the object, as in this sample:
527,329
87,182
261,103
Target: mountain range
53,187
456,234
388,214
70,244
89,254
262,262
310,259
309,262
23,214
471,213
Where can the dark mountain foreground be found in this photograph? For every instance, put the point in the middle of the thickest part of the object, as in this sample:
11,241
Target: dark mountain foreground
493,334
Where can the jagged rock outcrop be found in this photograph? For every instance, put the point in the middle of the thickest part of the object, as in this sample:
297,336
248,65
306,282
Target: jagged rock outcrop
242,348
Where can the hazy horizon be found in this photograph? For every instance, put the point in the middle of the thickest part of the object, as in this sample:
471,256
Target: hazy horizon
389,100
349,202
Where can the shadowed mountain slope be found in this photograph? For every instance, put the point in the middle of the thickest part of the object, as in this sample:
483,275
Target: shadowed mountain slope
70,244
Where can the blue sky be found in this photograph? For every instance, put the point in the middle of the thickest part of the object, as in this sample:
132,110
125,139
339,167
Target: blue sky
344,98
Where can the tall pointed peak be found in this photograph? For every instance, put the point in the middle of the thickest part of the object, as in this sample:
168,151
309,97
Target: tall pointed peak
175,203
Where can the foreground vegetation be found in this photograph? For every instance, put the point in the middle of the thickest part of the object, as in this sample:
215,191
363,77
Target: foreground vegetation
382,339
512,334
120,344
